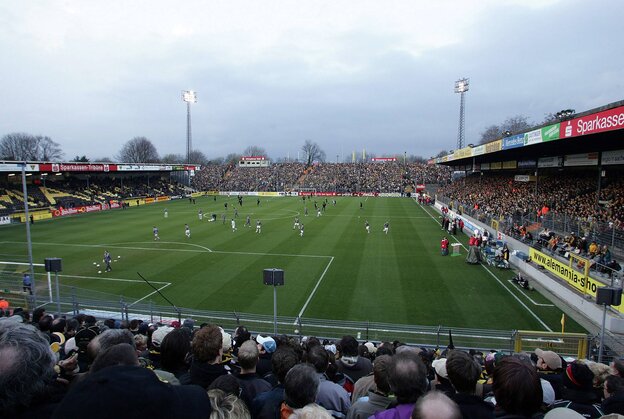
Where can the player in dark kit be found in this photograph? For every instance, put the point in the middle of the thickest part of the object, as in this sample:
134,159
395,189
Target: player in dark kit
107,261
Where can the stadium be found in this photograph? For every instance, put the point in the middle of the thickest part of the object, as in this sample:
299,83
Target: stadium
557,215
484,281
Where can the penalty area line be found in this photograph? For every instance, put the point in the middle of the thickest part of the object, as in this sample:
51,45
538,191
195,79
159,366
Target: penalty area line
314,290
495,277
151,293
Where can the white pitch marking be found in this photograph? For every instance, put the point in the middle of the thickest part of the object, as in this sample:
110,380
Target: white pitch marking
315,288
151,293
181,250
494,276
529,298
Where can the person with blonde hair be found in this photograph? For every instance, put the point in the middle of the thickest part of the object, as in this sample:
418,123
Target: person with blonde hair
227,406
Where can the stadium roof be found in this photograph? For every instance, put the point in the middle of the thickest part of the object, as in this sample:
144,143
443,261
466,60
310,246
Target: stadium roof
592,131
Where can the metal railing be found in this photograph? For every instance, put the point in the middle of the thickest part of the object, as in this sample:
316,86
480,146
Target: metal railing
74,300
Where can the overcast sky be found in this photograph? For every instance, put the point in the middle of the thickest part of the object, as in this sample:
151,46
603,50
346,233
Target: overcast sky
349,75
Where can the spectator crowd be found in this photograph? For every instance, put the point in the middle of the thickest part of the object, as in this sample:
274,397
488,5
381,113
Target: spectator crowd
80,367
574,195
322,177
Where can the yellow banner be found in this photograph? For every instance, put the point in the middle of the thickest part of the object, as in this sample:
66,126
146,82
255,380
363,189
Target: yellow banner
134,202
494,146
268,194
578,280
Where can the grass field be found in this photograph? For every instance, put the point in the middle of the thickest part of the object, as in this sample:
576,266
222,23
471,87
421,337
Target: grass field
335,271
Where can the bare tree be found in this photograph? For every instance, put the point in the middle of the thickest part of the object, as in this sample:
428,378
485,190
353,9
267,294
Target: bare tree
516,124
22,146
442,153
254,150
80,159
197,157
232,158
217,161
312,152
48,149
173,158
491,133
550,118
138,150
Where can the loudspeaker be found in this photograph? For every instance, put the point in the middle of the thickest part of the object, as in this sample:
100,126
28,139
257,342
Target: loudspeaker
274,277
53,265
609,296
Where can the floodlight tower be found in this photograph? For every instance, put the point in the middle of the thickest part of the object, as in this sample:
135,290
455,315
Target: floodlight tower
461,87
189,96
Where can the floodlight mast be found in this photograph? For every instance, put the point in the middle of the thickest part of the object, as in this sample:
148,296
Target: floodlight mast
189,96
461,87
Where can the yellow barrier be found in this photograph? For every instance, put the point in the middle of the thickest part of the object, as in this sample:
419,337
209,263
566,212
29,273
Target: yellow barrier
570,344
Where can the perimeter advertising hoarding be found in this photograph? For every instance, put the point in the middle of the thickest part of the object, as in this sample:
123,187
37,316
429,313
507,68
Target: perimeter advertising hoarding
527,164
563,270
478,150
551,132
77,167
496,165
494,146
514,141
612,157
608,120
510,164
142,167
583,159
17,167
533,137
550,161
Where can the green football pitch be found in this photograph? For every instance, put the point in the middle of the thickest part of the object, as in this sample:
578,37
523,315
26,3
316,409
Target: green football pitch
336,270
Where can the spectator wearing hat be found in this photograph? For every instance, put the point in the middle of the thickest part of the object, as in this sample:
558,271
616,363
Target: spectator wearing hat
206,348
577,391
241,334
266,346
251,383
267,405
464,372
330,395
441,381
613,395
407,376
549,366
436,405
517,389
378,397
